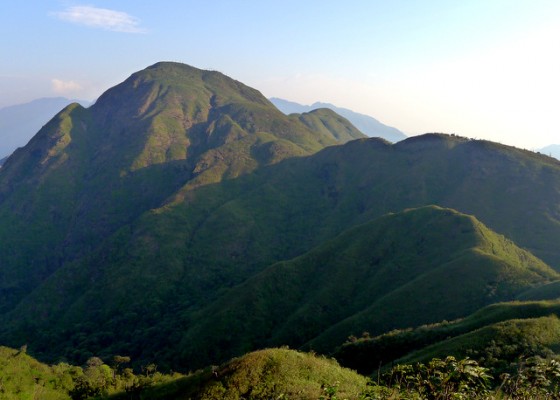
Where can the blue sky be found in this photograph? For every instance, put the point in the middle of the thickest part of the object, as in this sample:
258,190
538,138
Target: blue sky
484,69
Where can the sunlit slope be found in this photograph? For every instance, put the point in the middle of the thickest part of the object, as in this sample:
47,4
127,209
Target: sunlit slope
272,374
402,270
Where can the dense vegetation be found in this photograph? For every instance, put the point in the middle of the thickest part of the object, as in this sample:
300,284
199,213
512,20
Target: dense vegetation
275,374
367,353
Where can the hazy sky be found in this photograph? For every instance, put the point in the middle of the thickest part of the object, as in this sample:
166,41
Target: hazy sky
484,69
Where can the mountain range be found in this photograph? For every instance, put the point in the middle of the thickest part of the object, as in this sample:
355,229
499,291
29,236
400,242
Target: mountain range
183,219
365,123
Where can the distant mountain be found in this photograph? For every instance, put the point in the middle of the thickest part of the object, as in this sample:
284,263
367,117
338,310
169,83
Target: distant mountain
126,227
2,161
368,125
552,150
20,122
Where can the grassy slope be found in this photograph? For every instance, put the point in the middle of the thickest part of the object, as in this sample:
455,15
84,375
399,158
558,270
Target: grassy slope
330,123
501,342
366,354
549,291
24,378
165,266
402,270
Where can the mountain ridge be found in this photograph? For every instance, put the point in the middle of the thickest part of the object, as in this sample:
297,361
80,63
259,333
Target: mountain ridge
18,123
365,123
374,269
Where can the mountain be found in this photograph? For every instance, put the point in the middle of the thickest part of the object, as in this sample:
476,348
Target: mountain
123,225
366,124
552,150
2,161
20,122
89,172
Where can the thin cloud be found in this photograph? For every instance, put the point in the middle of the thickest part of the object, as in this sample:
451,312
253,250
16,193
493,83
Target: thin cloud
101,18
65,87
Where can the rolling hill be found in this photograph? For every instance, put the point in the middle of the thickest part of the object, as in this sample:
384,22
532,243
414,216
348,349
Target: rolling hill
498,345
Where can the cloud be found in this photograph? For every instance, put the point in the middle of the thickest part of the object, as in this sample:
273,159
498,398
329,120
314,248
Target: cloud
65,87
101,18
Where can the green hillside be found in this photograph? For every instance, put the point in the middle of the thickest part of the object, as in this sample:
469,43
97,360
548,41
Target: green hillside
89,172
402,270
330,123
498,344
24,378
366,354
550,291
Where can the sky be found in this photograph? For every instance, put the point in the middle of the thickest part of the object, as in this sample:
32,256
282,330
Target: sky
486,69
